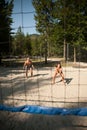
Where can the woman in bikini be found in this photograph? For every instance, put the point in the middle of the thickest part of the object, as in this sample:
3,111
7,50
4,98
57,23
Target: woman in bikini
58,70
28,66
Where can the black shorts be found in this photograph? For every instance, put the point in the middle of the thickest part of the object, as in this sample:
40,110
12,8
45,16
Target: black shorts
28,67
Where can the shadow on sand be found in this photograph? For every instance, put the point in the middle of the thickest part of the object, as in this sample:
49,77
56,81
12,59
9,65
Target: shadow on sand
66,80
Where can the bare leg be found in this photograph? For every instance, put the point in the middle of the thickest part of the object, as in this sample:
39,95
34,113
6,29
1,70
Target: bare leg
62,75
31,71
53,80
26,73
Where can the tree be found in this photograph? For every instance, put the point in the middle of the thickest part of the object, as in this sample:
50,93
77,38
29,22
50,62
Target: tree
5,25
72,19
62,22
27,45
43,19
18,42
76,23
50,21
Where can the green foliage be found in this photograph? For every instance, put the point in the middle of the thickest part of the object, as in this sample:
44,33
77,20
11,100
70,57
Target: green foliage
27,45
62,25
5,25
18,42
60,21
35,44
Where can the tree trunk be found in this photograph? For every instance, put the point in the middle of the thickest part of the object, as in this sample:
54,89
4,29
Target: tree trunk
46,52
74,55
46,46
64,50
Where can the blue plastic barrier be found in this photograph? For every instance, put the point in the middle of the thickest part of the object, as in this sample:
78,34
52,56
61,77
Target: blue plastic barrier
45,110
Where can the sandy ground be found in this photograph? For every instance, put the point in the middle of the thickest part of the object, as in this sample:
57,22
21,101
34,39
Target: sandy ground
16,90
38,89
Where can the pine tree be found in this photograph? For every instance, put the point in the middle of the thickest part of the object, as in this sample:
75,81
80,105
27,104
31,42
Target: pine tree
44,20
5,25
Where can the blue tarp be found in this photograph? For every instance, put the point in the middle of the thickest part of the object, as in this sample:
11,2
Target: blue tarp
45,110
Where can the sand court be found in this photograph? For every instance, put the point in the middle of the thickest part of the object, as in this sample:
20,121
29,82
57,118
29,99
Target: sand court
16,90
38,89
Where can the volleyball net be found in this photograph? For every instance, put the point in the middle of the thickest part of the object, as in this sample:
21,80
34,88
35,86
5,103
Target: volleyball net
37,94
